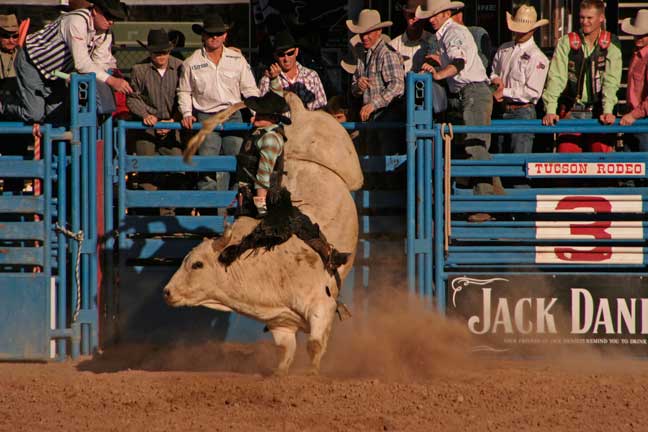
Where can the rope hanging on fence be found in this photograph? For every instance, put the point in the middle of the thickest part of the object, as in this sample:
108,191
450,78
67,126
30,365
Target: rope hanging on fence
77,266
447,146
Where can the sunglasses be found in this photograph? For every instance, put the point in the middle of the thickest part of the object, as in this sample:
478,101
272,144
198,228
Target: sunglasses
289,53
9,35
215,34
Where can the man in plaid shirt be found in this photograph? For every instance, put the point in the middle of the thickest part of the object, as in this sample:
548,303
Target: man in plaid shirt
288,74
379,79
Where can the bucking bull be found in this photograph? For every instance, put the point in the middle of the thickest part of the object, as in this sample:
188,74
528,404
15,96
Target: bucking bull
287,287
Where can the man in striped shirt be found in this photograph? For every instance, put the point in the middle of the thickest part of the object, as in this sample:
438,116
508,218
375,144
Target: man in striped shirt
288,74
77,41
379,79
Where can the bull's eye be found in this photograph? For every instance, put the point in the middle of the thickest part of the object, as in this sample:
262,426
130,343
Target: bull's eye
197,265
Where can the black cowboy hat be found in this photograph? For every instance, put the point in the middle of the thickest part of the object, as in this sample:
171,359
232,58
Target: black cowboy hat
157,40
212,24
270,104
284,41
112,9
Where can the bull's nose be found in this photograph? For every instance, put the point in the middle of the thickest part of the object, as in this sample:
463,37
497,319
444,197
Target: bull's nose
167,293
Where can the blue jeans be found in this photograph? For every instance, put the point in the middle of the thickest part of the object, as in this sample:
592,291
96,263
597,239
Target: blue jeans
38,98
477,107
216,144
518,143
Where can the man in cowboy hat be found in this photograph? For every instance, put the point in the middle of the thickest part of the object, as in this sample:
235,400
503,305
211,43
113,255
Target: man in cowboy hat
415,43
379,79
266,142
288,74
214,79
77,41
584,77
8,47
637,93
519,71
153,100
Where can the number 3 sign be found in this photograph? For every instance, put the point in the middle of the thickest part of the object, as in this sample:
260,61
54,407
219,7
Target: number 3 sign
593,231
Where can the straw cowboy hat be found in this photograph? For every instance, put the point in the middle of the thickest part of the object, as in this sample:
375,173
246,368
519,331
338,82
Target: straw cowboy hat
436,6
637,26
525,20
9,23
368,20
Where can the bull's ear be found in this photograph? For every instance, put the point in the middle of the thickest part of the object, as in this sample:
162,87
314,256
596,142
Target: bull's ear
218,244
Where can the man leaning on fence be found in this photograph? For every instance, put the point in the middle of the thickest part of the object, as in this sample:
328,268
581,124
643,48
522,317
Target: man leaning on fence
637,94
288,74
8,51
214,79
519,71
153,100
379,79
77,41
584,77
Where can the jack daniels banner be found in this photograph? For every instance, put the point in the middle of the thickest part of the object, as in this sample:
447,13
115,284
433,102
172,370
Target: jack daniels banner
529,313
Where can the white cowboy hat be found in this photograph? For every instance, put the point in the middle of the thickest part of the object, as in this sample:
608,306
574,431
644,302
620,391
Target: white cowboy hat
436,6
368,20
525,20
637,26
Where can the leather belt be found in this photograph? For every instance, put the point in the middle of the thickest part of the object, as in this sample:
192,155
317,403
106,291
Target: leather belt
516,106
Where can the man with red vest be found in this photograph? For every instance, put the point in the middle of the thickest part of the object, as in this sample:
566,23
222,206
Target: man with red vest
584,77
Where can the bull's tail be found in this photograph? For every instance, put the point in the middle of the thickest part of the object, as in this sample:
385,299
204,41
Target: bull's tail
207,127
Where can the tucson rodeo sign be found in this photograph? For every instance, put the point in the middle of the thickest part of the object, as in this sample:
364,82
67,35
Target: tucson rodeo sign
565,310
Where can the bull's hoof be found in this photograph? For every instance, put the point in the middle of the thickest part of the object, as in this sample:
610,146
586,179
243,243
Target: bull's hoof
280,372
313,371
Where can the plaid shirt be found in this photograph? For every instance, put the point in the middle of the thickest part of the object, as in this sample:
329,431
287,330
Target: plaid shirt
384,68
307,85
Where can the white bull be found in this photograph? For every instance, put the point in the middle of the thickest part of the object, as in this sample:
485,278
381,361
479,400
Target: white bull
286,288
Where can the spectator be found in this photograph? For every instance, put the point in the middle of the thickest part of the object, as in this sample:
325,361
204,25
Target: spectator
463,71
379,80
519,71
8,50
584,77
288,74
467,82
413,45
214,78
479,34
153,99
637,95
76,41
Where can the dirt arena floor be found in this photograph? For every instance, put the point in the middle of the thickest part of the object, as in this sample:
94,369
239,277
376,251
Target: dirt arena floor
400,370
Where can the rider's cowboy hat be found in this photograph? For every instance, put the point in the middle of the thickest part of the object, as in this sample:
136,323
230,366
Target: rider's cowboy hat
637,26
111,9
435,7
157,41
368,20
270,104
212,24
525,20
9,23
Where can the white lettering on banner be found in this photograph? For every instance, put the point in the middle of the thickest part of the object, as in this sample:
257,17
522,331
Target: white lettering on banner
601,169
590,317
544,322
592,230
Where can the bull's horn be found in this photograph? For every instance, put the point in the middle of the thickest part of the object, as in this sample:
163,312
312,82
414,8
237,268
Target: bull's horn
218,244
295,103
208,127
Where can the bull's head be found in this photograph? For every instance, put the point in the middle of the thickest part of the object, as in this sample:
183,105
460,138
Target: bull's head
196,282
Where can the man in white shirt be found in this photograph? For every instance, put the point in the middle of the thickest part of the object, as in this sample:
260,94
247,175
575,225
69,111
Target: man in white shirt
519,71
214,79
462,69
